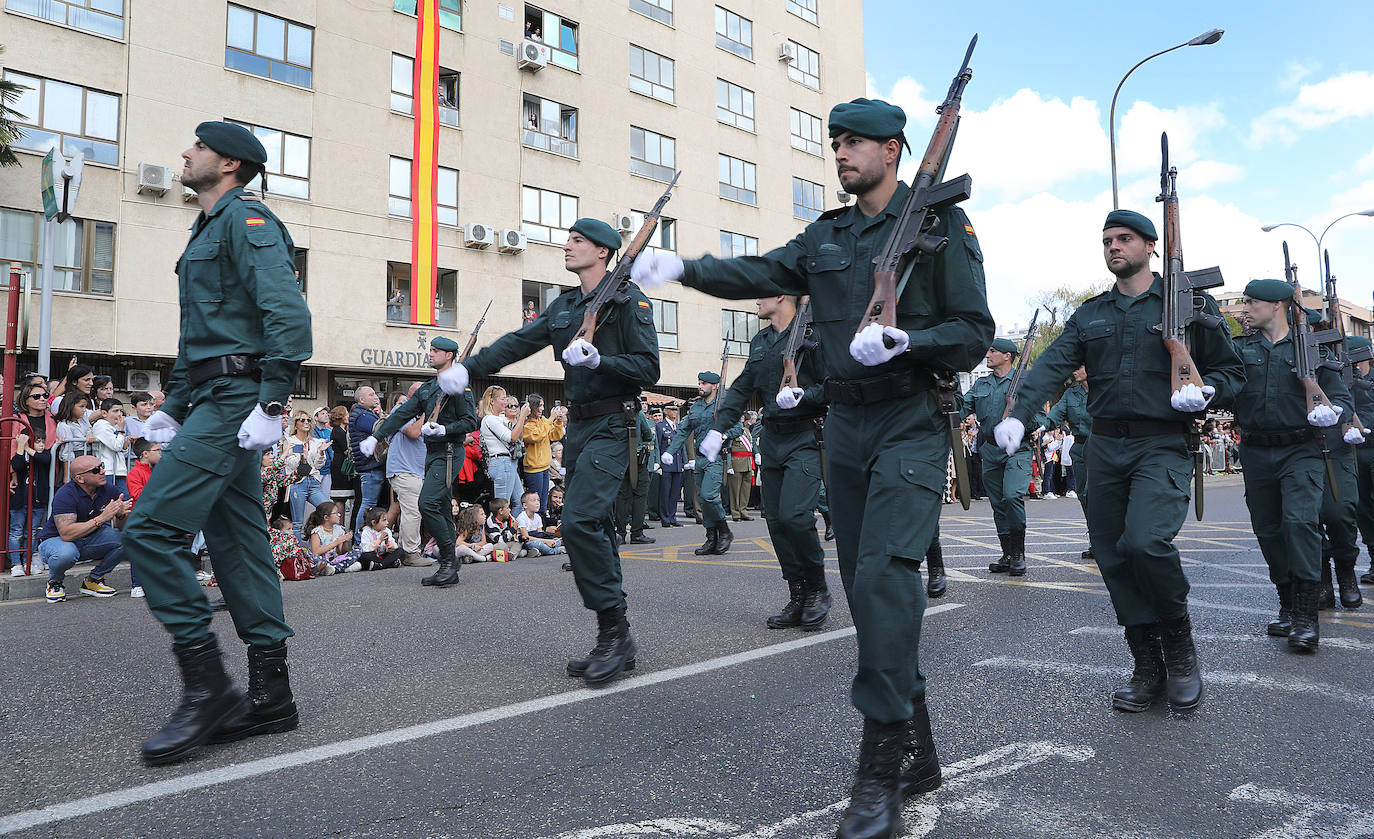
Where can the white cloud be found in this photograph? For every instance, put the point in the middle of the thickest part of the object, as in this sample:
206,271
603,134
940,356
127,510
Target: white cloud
1366,163
1294,74
1205,173
909,95
1137,148
1349,95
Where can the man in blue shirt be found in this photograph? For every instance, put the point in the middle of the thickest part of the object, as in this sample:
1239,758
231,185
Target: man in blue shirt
79,530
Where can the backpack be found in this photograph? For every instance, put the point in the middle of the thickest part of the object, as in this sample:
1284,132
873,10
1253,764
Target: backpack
297,567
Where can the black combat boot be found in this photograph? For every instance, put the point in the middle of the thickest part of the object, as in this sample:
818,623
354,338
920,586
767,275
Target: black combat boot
447,575
1146,686
614,652
1283,624
1326,596
209,701
815,601
922,773
1001,565
1088,554
1368,576
829,528
1304,637
709,546
791,613
1350,589
723,538
1016,562
1184,680
269,690
875,801
935,570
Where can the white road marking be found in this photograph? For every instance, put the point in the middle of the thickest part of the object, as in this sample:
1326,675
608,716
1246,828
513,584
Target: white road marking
1310,818
237,772
1326,640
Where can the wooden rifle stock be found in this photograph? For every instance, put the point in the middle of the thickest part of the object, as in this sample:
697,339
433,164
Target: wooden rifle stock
1182,368
800,321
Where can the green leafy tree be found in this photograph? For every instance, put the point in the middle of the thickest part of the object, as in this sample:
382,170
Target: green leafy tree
9,128
1056,306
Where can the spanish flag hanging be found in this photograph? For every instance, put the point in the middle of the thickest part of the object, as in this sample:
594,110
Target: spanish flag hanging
424,167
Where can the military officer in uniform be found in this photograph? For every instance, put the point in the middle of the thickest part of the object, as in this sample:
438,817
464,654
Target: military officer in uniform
1340,533
709,474
670,486
443,433
1072,408
887,441
1007,477
1281,445
603,378
245,330
1140,458
1363,394
631,503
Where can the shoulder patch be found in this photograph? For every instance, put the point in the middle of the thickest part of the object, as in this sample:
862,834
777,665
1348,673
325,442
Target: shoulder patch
968,228
832,214
254,222
644,304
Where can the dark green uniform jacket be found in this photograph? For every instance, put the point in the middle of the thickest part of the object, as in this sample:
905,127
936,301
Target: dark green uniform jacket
762,377
1273,399
1072,408
458,416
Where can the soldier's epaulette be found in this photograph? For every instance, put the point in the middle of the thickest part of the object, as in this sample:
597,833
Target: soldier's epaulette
1101,296
832,214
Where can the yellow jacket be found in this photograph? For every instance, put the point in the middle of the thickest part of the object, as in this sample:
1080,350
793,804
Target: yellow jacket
539,433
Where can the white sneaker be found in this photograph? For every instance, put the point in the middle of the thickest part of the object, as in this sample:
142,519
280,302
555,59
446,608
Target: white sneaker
203,577
356,566
1050,496
136,591
17,570
1070,494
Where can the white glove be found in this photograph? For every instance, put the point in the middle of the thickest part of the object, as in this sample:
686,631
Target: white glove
667,459
653,269
582,354
259,431
710,446
1190,398
453,380
868,348
729,471
1009,433
161,428
1324,417
789,397
1355,436
368,445
691,465
432,429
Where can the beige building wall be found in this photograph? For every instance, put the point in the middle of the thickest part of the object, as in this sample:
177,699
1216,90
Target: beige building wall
169,72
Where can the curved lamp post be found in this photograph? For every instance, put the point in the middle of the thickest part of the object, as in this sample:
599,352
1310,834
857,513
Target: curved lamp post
1318,239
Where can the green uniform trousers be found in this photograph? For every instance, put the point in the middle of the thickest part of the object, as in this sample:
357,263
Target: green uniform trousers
1283,489
790,487
651,501
1339,532
1007,482
1364,480
709,480
1079,453
436,494
631,503
887,466
596,460
205,483
1140,498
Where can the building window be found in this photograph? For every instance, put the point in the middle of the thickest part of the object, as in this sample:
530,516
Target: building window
269,46
546,215
450,12
808,199
549,126
398,198
398,295
659,10
737,328
651,74
536,297
652,155
665,323
736,179
103,17
83,258
403,95
806,133
804,9
665,234
805,69
734,33
737,244
302,264
560,34
734,105
288,162
52,113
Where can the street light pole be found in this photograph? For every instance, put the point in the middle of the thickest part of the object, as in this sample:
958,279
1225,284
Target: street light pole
1211,36
1318,239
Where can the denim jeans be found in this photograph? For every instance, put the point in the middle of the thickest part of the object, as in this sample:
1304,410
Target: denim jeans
118,483
17,543
545,550
103,546
306,491
371,482
538,482
505,479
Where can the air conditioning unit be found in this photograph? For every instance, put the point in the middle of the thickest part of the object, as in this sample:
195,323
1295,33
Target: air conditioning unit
143,380
623,222
510,241
787,51
153,178
533,56
188,195
477,235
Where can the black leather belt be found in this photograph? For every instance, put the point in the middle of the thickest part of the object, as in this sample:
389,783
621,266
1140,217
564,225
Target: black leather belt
599,408
898,384
224,365
1279,438
791,425
1138,428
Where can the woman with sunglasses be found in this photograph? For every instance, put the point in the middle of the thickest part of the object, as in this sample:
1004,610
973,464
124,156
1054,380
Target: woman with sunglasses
34,459
305,454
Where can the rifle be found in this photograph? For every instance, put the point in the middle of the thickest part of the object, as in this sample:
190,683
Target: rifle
1182,307
467,351
801,321
1021,364
918,216
724,360
1347,358
1307,358
613,288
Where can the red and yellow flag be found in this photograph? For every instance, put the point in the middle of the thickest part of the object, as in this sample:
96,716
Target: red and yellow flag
424,167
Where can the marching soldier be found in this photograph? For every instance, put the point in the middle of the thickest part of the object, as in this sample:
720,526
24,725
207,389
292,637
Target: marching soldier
1281,445
1340,532
1140,458
708,474
887,438
604,381
1363,394
741,473
245,330
1007,477
443,434
631,503
670,485
1072,408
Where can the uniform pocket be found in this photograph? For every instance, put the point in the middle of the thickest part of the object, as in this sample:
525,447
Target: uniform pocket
203,282
913,474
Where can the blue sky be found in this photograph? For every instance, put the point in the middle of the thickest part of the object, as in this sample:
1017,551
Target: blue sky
1273,123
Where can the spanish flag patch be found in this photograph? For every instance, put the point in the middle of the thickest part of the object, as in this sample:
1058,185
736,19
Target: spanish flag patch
968,228
644,304
254,222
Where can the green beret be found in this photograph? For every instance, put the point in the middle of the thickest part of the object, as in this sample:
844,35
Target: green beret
1357,342
1133,220
872,118
709,378
598,232
229,140
442,343
1312,315
1273,291
1006,345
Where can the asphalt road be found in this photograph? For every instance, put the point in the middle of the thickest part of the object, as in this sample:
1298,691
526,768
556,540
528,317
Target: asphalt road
446,713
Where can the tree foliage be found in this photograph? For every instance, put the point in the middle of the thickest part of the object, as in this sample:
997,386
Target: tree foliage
9,127
1056,305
